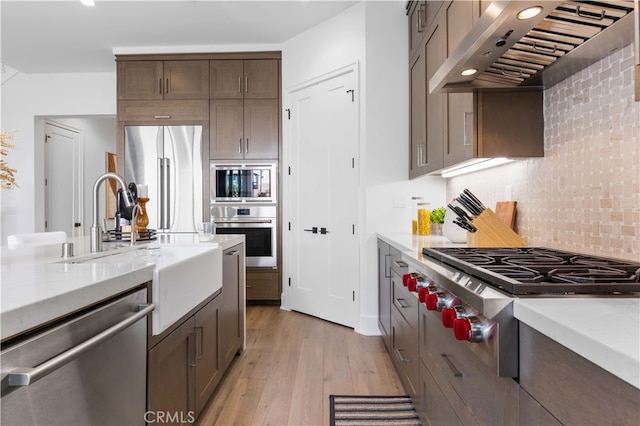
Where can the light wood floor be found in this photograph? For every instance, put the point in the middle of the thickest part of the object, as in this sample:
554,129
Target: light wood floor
291,364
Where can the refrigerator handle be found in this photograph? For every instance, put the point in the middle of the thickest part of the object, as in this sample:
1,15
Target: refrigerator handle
167,194
161,193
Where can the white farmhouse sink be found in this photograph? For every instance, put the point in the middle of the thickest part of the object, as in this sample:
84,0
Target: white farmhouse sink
184,275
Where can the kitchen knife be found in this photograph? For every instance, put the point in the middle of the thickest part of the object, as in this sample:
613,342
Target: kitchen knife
464,202
475,199
459,211
464,225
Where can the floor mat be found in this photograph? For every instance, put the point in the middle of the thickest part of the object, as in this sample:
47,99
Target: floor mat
352,410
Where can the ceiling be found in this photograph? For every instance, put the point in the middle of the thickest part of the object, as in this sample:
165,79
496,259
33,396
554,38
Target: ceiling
66,36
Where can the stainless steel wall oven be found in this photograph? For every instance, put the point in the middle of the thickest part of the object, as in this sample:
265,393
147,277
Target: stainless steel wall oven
259,226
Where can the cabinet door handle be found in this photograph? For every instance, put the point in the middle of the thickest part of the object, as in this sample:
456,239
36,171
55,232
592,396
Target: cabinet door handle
246,148
162,117
191,350
160,86
167,86
233,253
240,146
401,305
421,20
239,84
246,85
387,267
402,358
454,369
199,343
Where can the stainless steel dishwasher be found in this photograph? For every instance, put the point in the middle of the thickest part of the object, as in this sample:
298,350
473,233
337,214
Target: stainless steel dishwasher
86,369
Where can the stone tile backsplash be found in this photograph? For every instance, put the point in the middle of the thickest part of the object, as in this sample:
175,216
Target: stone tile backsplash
584,195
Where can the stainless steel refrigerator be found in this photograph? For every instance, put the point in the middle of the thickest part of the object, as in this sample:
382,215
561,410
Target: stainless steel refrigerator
168,159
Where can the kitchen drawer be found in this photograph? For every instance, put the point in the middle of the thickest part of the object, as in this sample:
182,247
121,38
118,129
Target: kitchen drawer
163,112
262,284
483,395
573,389
397,264
404,353
404,301
433,406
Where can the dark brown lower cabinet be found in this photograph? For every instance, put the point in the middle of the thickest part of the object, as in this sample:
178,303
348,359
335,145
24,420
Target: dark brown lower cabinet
187,362
263,285
184,368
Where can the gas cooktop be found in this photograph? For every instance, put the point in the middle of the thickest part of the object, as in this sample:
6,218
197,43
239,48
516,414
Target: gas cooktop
539,271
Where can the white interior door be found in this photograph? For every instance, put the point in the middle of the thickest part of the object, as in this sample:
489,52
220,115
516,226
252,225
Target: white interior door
322,204
63,180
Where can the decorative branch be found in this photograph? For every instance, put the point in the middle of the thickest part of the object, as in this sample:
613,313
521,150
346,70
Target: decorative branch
7,178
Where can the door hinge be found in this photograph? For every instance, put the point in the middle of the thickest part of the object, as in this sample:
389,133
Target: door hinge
46,138
288,113
289,170
353,229
46,182
353,163
354,295
289,226
353,94
289,281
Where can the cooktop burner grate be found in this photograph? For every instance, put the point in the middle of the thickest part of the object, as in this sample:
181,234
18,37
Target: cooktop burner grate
533,270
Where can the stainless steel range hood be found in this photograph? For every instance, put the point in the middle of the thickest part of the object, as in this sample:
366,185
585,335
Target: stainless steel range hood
536,53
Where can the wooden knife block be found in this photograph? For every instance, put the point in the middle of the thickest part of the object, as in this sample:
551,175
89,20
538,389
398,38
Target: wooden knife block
492,232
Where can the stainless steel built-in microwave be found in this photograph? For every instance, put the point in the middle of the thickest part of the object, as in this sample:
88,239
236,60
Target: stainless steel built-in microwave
243,182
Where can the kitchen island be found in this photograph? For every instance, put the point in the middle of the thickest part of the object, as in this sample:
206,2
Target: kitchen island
197,290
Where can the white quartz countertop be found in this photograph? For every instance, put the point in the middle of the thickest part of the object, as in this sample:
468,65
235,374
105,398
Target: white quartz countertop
604,330
37,286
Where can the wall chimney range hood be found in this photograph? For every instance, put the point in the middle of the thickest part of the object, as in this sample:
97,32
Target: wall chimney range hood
535,53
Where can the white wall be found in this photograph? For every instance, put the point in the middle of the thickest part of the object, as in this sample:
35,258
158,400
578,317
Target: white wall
374,34
25,97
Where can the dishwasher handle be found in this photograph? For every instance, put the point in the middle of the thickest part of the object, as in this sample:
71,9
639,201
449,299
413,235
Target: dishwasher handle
27,376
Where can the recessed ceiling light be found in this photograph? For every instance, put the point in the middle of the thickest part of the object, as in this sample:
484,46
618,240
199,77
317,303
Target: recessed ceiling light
529,12
88,2
469,71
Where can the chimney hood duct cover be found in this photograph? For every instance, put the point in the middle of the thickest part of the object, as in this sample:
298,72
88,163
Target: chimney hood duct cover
535,53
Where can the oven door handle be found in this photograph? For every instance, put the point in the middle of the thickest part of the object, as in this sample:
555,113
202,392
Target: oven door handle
223,221
26,376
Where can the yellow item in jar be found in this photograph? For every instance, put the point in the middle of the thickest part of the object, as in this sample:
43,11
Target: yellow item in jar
414,226
424,222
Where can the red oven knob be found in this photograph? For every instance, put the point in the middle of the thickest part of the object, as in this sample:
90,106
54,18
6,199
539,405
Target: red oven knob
407,277
448,317
462,328
425,291
431,301
438,300
472,329
412,284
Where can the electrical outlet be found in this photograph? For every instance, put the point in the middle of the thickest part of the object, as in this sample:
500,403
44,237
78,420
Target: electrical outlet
399,202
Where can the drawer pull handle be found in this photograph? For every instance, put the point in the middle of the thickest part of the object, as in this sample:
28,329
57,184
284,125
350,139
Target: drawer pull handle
400,263
162,117
454,369
402,304
402,358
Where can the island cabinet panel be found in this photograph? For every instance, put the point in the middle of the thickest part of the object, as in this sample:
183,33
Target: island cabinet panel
404,337
571,388
157,80
232,307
